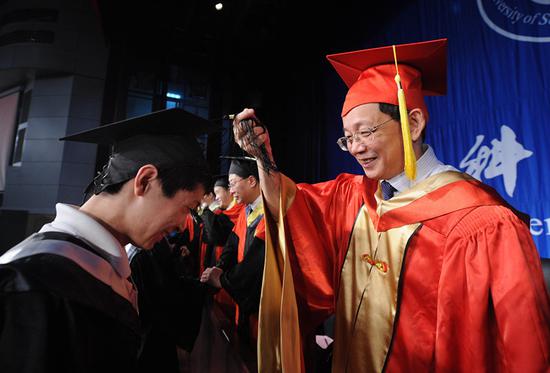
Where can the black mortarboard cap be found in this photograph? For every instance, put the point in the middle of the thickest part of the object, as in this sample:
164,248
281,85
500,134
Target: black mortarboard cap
243,166
165,138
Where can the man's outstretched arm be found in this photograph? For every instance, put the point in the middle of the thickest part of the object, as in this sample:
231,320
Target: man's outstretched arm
253,143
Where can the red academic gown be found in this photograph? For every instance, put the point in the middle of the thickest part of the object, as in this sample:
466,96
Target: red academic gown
470,296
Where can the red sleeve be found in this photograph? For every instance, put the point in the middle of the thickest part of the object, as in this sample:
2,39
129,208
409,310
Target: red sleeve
494,310
304,251
319,223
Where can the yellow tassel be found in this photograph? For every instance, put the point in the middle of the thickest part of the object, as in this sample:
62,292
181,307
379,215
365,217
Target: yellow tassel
410,157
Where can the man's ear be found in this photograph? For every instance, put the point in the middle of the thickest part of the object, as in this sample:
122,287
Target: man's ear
417,123
142,181
253,181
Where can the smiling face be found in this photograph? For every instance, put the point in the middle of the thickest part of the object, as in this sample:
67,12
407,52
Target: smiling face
381,156
223,196
244,190
156,215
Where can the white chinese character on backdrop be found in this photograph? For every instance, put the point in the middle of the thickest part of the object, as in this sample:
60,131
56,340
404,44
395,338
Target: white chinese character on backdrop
501,159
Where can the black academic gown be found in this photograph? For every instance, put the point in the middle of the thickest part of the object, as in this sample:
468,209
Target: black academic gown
170,305
242,274
56,317
216,229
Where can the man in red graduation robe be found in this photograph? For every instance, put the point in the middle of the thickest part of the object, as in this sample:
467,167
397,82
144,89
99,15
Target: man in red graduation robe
425,268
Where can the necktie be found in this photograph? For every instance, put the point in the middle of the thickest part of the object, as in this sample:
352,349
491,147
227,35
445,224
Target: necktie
387,190
248,211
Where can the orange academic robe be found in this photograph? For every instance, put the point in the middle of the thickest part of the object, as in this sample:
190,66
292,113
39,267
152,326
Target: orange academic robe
470,296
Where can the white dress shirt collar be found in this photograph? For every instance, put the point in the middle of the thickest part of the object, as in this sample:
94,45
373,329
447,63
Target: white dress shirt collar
70,219
426,166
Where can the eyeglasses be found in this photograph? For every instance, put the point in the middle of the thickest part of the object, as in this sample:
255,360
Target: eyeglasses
345,142
232,185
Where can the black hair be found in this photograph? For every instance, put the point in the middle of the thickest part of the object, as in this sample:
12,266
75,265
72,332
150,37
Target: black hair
393,112
173,179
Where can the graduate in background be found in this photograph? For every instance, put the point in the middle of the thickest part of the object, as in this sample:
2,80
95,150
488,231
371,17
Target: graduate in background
216,229
218,347
218,222
239,269
66,302
223,194
425,268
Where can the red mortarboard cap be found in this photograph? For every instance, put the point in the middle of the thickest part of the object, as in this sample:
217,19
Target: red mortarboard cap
370,73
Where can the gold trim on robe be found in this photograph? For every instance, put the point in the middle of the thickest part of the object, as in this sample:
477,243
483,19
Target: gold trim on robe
369,284
418,191
368,294
279,347
367,299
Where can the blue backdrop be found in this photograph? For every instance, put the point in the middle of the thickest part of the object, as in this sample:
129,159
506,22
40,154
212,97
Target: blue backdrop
494,122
